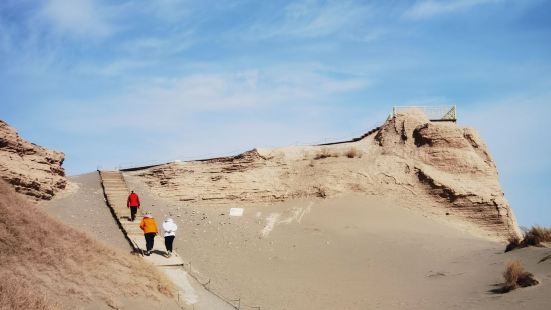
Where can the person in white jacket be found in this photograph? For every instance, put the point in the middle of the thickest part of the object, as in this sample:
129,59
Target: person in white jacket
169,228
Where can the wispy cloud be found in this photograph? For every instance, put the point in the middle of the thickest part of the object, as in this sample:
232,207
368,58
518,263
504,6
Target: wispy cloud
312,19
167,45
169,10
160,103
119,67
429,8
78,17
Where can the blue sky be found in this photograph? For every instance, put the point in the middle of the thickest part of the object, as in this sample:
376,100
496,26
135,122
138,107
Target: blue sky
124,82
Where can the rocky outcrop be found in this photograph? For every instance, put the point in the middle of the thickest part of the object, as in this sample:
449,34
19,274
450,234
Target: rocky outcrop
453,165
436,167
31,169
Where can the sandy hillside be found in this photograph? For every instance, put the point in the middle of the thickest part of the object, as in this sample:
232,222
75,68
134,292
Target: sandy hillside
410,216
83,207
47,265
444,170
350,252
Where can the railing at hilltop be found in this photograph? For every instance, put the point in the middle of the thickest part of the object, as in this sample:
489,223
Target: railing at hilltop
434,113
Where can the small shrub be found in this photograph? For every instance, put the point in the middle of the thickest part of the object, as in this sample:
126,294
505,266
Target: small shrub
512,272
353,152
320,191
324,153
538,234
515,276
514,242
534,237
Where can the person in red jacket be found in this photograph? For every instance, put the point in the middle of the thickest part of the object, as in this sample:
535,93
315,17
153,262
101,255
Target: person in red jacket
133,203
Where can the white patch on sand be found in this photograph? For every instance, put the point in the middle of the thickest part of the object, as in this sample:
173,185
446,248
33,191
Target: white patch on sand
271,221
306,210
298,213
236,212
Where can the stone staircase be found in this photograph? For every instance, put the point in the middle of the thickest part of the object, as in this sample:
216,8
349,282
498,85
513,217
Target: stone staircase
191,294
116,194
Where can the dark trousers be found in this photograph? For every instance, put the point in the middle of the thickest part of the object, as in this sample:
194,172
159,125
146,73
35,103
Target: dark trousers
133,211
149,241
168,242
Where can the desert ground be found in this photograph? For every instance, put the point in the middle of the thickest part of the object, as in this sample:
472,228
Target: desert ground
409,216
48,265
349,252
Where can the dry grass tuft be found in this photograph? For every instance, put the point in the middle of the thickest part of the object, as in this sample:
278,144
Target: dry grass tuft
47,260
515,276
512,272
324,153
534,237
514,242
16,293
353,152
320,191
537,234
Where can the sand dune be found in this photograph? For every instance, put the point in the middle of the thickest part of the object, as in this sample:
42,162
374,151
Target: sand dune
446,170
410,216
350,252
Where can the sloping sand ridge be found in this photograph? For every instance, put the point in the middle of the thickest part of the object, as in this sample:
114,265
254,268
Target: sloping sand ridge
409,217
443,169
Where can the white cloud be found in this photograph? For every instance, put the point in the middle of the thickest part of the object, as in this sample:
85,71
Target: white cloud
313,19
78,17
162,103
167,45
429,8
169,10
115,68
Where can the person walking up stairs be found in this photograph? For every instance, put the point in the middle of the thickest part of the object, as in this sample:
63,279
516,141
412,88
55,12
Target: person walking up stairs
169,228
133,202
149,227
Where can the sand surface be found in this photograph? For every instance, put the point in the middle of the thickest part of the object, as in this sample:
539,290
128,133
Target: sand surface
83,207
352,252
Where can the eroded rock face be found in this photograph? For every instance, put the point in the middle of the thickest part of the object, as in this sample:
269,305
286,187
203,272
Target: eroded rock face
31,169
454,166
433,166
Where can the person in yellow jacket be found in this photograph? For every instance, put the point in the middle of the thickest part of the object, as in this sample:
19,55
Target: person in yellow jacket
149,227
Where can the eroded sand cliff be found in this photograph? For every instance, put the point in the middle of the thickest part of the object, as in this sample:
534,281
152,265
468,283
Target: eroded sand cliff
437,167
31,169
